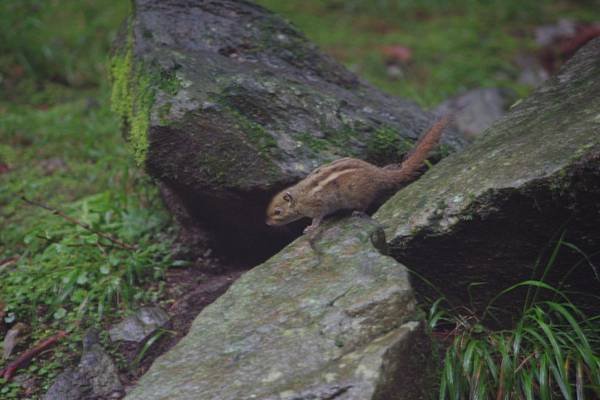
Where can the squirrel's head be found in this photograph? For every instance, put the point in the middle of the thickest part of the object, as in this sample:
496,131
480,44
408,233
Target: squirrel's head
282,209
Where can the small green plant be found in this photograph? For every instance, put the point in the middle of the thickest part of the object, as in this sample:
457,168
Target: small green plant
9,390
72,270
144,350
61,148
552,352
85,234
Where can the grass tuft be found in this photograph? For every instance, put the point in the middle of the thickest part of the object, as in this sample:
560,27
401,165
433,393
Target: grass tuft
553,351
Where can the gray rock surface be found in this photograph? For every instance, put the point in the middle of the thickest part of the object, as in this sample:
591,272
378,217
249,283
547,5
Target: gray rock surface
545,35
331,319
532,72
137,327
225,103
95,377
71,384
484,215
475,111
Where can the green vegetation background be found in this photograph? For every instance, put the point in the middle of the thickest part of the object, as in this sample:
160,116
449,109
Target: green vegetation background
63,145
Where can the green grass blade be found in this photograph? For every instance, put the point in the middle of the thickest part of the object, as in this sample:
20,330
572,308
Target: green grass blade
469,355
436,314
585,256
579,380
528,283
583,346
147,346
543,378
450,375
562,380
488,356
443,390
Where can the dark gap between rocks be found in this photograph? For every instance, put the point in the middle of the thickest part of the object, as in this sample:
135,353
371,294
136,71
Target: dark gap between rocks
500,248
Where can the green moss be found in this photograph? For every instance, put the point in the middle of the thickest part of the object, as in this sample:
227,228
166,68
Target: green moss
255,132
133,95
342,138
120,72
140,118
386,145
242,159
334,140
169,83
220,159
258,136
163,112
313,143
131,98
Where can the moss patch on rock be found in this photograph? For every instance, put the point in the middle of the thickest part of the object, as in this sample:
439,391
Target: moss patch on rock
386,144
134,86
131,99
317,317
255,132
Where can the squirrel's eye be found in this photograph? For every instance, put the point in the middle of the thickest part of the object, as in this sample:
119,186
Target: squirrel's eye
277,211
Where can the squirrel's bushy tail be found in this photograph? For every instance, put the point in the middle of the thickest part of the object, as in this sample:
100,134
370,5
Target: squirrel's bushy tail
415,158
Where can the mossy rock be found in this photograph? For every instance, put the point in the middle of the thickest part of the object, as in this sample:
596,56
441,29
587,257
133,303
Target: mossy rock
226,103
325,318
478,221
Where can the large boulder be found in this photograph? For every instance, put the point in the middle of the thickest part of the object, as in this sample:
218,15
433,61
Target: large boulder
484,216
328,317
226,103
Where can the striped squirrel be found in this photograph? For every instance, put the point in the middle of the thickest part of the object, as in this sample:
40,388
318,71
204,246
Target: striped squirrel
348,184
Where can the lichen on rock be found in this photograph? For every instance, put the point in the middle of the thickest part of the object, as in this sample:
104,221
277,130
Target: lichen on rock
488,212
226,103
328,316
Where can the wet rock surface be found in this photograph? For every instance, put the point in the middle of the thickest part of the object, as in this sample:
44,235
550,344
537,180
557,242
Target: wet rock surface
69,385
226,103
546,35
137,327
485,215
95,377
325,318
532,72
332,317
475,111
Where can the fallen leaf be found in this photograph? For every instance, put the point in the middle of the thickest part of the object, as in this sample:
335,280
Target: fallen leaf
9,371
12,338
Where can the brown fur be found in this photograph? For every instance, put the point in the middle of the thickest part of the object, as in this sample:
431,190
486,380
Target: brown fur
347,184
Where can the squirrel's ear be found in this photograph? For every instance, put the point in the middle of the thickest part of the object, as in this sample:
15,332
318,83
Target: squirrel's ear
288,197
